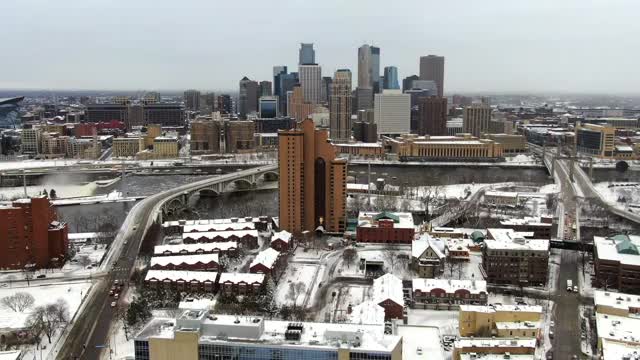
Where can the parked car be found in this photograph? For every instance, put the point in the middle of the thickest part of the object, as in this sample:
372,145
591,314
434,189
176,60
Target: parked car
41,276
113,304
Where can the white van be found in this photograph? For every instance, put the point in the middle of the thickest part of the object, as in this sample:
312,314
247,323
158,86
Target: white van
569,285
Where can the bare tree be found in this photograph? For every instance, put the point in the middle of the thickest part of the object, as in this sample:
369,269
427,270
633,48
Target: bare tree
429,198
47,319
391,258
295,290
84,261
19,301
349,255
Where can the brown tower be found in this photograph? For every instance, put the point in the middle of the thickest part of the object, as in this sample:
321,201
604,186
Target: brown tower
432,68
432,116
312,180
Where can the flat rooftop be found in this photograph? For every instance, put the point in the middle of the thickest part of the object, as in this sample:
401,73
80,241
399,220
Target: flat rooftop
500,308
509,239
495,343
427,338
616,300
607,249
618,328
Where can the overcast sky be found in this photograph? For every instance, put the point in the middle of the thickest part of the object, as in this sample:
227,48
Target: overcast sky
489,45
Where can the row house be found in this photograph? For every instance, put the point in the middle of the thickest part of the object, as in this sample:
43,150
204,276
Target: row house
219,227
201,262
240,283
205,281
267,261
229,248
282,241
178,226
245,238
388,293
432,292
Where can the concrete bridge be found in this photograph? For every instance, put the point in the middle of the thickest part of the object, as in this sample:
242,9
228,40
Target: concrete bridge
240,180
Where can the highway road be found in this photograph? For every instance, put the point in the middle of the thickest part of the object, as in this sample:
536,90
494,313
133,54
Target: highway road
89,332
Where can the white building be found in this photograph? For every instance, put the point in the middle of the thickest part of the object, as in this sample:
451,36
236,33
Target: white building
392,112
311,82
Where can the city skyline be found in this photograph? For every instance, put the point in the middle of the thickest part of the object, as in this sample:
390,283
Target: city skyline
523,59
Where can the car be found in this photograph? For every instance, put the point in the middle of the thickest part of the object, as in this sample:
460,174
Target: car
575,288
116,296
41,276
111,292
550,334
135,227
116,282
126,242
419,350
113,304
552,323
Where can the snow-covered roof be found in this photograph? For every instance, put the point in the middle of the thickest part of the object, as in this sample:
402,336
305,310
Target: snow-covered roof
368,312
527,220
504,194
223,234
618,328
388,286
11,355
509,239
266,257
616,300
237,278
625,148
283,235
425,337
219,227
613,350
360,145
607,249
494,343
501,308
175,275
404,220
209,221
184,259
86,235
481,356
450,286
517,325
196,304
194,248
419,246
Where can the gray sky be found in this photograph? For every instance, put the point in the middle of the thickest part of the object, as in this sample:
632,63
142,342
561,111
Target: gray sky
489,45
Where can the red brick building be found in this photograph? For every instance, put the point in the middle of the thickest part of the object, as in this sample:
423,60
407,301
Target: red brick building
31,234
85,129
240,283
266,262
200,262
388,293
244,238
282,241
385,227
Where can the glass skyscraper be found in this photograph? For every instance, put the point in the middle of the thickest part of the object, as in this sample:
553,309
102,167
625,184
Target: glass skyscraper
391,78
307,55
10,112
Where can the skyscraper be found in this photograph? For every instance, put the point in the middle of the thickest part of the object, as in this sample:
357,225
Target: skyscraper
369,67
224,104
277,72
312,181
192,100
311,82
408,82
364,98
432,68
391,78
248,97
432,116
340,106
326,89
392,112
307,56
265,88
476,119
298,107
287,82
268,107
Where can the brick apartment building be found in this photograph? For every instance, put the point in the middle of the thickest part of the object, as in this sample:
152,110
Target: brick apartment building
617,262
30,233
385,227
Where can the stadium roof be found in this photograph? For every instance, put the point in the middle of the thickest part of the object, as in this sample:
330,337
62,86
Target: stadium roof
13,100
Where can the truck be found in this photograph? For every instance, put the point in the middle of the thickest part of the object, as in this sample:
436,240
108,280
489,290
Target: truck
569,285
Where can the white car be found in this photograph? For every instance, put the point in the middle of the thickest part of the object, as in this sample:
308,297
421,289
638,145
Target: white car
113,304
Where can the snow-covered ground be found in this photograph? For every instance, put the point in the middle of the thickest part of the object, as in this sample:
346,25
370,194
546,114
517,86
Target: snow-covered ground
296,272
522,159
622,195
61,185
446,321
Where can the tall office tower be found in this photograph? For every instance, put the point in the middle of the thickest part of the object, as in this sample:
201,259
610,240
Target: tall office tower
369,67
391,78
265,88
432,118
364,98
207,102
287,82
476,119
277,72
340,106
224,104
299,108
311,82
205,136
312,181
192,100
407,82
326,89
392,112
268,107
425,85
307,56
432,68
248,97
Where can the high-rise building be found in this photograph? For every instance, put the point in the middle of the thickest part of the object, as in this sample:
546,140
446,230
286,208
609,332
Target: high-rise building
265,88
391,78
298,107
277,72
392,112
307,56
432,68
30,141
287,82
207,103
165,114
268,107
369,67
312,181
31,235
340,106
364,98
238,136
10,112
432,118
326,89
425,85
248,97
106,113
311,82
192,100
407,82
205,136
476,119
225,105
